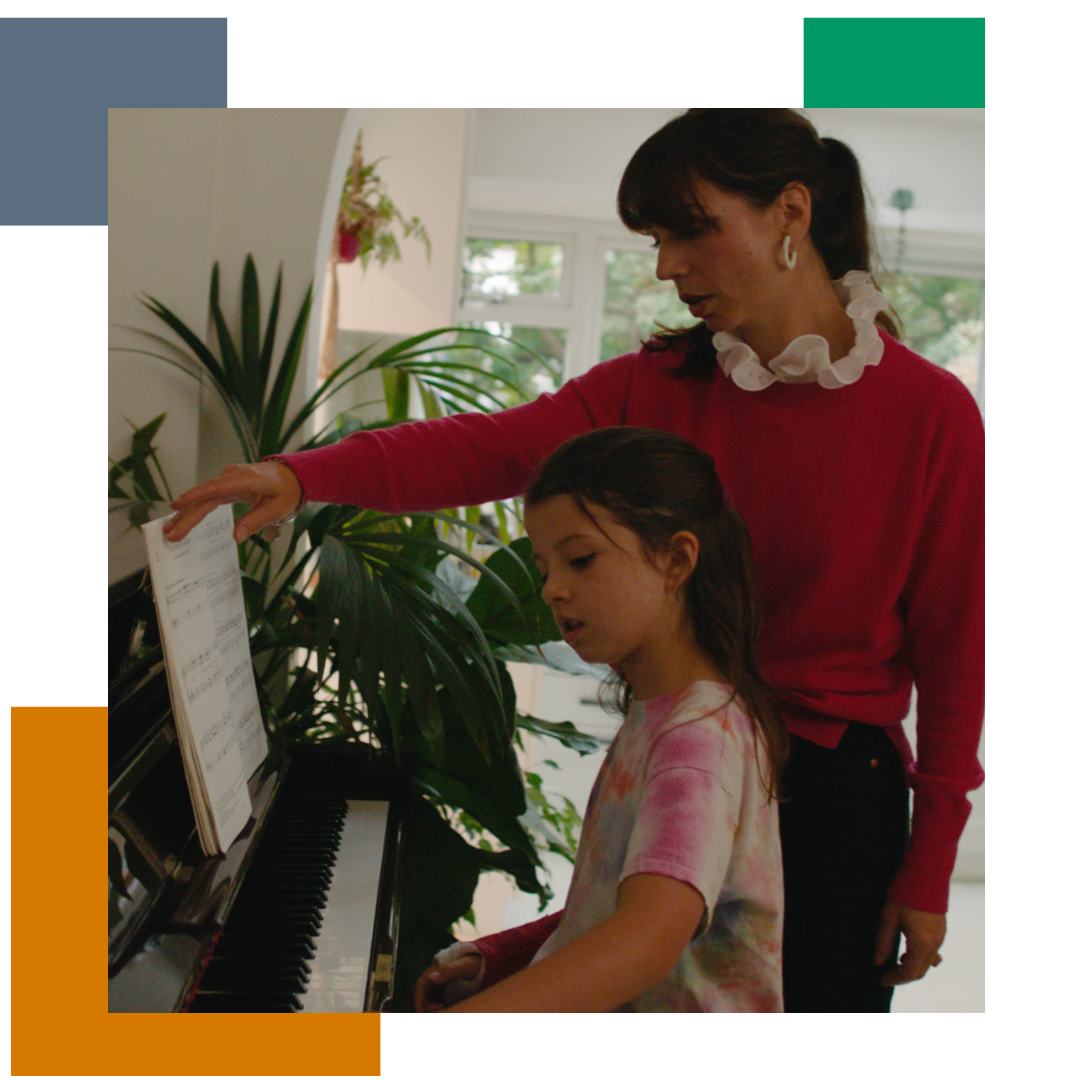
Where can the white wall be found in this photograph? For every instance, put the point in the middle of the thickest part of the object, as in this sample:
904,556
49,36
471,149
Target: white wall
567,162
938,155
557,161
424,172
188,187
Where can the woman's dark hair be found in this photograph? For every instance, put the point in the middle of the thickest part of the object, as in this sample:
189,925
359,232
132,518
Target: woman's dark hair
754,153
657,484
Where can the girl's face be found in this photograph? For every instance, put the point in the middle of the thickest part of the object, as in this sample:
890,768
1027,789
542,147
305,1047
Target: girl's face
731,275
612,604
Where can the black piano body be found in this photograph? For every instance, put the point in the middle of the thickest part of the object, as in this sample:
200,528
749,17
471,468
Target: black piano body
248,931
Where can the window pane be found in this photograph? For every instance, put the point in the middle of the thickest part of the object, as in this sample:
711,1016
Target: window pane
536,375
635,302
943,320
496,269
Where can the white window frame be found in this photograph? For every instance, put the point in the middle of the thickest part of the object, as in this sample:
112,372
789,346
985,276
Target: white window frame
579,308
538,301
580,313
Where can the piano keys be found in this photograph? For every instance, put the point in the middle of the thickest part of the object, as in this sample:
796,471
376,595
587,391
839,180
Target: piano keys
303,908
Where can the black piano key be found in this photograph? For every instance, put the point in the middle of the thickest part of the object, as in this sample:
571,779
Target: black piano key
264,962
253,982
259,962
242,1003
251,949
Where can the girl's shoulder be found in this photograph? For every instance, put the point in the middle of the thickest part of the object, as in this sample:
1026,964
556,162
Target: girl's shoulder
704,727
709,702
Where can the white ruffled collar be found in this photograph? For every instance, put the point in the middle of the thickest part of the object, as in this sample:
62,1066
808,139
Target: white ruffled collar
806,359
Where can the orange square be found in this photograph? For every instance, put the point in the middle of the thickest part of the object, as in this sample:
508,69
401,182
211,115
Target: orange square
58,759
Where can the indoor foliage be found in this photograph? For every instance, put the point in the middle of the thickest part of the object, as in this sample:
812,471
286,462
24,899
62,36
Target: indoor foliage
362,634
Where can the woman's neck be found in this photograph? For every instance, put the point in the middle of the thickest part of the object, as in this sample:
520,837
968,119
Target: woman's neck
809,305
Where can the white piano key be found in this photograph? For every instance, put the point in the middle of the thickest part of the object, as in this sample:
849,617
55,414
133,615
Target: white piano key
339,969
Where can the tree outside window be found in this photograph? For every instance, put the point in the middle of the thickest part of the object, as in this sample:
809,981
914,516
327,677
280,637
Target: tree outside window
943,320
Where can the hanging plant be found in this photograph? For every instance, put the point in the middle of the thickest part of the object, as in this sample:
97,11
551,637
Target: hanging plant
367,216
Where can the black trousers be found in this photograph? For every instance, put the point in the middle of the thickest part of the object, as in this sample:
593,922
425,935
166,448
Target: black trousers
843,830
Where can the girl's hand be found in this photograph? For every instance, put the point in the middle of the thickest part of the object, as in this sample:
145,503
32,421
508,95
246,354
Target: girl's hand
630,951
924,931
431,986
269,487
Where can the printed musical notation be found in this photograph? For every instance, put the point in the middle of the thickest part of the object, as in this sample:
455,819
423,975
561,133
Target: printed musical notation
238,680
213,552
184,600
197,587
200,672
223,588
217,742
233,804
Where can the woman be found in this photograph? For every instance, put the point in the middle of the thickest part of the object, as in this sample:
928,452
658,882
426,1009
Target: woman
857,467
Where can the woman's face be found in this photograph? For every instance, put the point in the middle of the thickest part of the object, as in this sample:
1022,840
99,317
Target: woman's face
731,275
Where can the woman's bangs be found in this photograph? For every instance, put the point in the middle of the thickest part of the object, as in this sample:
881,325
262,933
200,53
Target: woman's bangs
658,191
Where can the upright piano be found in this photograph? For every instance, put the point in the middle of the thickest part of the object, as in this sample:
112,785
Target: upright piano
301,913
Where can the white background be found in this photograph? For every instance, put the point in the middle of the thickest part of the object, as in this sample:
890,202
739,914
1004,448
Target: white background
53,303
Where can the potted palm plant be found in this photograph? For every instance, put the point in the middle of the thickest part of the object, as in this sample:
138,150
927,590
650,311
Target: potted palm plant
429,692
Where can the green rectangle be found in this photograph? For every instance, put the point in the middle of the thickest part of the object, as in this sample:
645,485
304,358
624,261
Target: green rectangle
894,63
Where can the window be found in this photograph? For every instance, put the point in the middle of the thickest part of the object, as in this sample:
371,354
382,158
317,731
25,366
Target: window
942,320
537,367
636,302
578,291
496,271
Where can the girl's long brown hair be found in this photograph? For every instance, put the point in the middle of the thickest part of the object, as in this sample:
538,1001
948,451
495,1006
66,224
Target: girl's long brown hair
657,484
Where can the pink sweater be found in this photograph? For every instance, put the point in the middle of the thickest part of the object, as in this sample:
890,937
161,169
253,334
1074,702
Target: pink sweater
864,506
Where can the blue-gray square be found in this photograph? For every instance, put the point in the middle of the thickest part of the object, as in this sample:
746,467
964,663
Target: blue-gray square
59,78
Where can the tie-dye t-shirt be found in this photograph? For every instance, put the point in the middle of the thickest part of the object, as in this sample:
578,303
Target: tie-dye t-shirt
679,794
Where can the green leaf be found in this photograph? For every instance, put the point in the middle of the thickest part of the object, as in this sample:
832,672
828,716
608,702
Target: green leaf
440,870
267,358
517,865
563,731
504,827
218,376
136,465
250,353
528,621
254,597
422,701
339,597
396,388
274,439
230,361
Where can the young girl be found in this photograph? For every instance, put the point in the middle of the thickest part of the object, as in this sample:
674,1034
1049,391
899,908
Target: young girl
677,895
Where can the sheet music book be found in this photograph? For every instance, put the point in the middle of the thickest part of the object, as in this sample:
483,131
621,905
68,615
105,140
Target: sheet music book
204,635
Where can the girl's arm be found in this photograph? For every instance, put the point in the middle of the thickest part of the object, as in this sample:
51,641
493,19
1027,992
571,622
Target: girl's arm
467,967
628,953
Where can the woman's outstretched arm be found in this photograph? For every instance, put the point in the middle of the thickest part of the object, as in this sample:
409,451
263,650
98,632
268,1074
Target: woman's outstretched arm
628,953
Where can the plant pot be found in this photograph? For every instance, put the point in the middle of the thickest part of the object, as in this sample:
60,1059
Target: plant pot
348,247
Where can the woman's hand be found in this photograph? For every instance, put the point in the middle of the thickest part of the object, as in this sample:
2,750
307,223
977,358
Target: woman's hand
270,488
431,986
924,931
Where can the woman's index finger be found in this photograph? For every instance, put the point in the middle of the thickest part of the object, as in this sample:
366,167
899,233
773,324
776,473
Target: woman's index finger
181,523
220,490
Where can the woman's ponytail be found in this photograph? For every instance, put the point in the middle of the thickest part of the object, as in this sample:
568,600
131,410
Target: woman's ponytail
839,226
754,153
